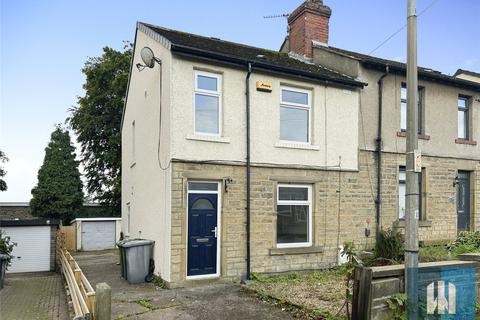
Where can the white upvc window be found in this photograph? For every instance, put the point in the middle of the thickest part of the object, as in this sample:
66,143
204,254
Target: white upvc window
208,103
295,115
294,216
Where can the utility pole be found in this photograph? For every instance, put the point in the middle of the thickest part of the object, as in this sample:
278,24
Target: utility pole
412,187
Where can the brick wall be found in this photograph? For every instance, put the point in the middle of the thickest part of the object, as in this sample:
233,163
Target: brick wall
306,23
343,205
439,194
53,247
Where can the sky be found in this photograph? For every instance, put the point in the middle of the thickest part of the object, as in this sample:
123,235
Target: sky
45,43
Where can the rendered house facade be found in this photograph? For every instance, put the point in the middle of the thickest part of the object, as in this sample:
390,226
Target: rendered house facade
312,152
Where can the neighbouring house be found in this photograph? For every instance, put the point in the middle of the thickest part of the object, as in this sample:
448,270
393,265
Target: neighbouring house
15,210
96,233
35,244
22,211
237,159
448,132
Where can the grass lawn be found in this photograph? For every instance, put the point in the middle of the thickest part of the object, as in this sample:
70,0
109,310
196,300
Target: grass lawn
317,295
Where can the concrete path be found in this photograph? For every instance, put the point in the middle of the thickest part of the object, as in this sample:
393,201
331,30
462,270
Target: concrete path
29,296
145,301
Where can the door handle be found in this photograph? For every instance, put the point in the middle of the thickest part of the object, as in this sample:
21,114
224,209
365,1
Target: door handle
215,230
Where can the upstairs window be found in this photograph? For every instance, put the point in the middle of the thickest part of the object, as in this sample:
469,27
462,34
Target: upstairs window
294,216
295,105
463,118
403,109
208,103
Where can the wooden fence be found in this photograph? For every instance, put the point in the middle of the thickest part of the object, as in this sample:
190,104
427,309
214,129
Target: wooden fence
67,237
81,292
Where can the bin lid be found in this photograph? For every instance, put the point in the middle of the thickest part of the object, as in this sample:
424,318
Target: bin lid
135,243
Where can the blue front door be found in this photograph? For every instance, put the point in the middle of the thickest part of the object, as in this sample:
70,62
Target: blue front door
202,234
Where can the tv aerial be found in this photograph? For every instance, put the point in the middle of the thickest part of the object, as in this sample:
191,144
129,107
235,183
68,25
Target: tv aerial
276,16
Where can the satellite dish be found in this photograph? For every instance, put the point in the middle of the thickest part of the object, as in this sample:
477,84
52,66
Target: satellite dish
148,57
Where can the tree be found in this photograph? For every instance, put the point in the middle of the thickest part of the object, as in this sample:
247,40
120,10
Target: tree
96,120
3,159
59,191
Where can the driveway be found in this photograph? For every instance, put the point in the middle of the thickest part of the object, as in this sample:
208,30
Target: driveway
145,301
30,296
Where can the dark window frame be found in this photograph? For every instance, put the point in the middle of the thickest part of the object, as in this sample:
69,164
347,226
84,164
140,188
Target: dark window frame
466,112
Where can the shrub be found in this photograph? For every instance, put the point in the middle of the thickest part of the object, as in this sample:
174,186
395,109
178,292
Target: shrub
390,245
466,241
433,253
464,248
6,247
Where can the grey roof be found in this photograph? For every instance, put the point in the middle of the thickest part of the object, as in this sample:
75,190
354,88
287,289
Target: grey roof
462,71
399,67
239,54
29,222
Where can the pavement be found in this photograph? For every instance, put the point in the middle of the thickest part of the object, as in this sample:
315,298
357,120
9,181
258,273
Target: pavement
36,296
146,301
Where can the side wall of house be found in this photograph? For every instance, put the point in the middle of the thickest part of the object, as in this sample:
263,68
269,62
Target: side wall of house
146,154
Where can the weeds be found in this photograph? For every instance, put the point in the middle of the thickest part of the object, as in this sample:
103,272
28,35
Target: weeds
159,282
145,303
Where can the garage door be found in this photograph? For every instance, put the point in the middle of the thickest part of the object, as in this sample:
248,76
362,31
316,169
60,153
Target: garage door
32,252
98,235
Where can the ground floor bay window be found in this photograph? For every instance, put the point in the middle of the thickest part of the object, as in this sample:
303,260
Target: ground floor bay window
294,216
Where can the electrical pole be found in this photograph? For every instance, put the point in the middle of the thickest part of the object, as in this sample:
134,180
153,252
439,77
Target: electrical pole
412,159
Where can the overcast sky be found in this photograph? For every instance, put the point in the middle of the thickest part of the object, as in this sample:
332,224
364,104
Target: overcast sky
44,45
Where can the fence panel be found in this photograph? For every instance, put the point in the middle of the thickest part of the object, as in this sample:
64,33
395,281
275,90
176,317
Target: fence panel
69,237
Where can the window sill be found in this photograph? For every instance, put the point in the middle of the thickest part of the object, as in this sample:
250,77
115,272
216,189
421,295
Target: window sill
133,164
466,141
420,136
421,224
287,251
293,145
206,138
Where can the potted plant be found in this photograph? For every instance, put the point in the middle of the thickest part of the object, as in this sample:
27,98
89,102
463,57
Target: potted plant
6,248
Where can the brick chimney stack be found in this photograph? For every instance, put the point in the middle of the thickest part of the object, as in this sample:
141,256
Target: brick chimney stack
307,23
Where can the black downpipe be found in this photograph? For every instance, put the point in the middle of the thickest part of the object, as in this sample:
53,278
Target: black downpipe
247,97
378,201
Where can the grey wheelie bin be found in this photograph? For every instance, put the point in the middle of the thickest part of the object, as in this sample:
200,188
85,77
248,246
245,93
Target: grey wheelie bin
135,258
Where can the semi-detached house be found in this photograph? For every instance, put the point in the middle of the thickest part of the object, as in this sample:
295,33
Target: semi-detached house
238,159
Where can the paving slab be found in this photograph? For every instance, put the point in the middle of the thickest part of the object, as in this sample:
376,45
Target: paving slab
125,309
33,296
205,302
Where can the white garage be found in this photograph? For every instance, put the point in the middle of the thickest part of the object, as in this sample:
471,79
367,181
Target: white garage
97,233
35,249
